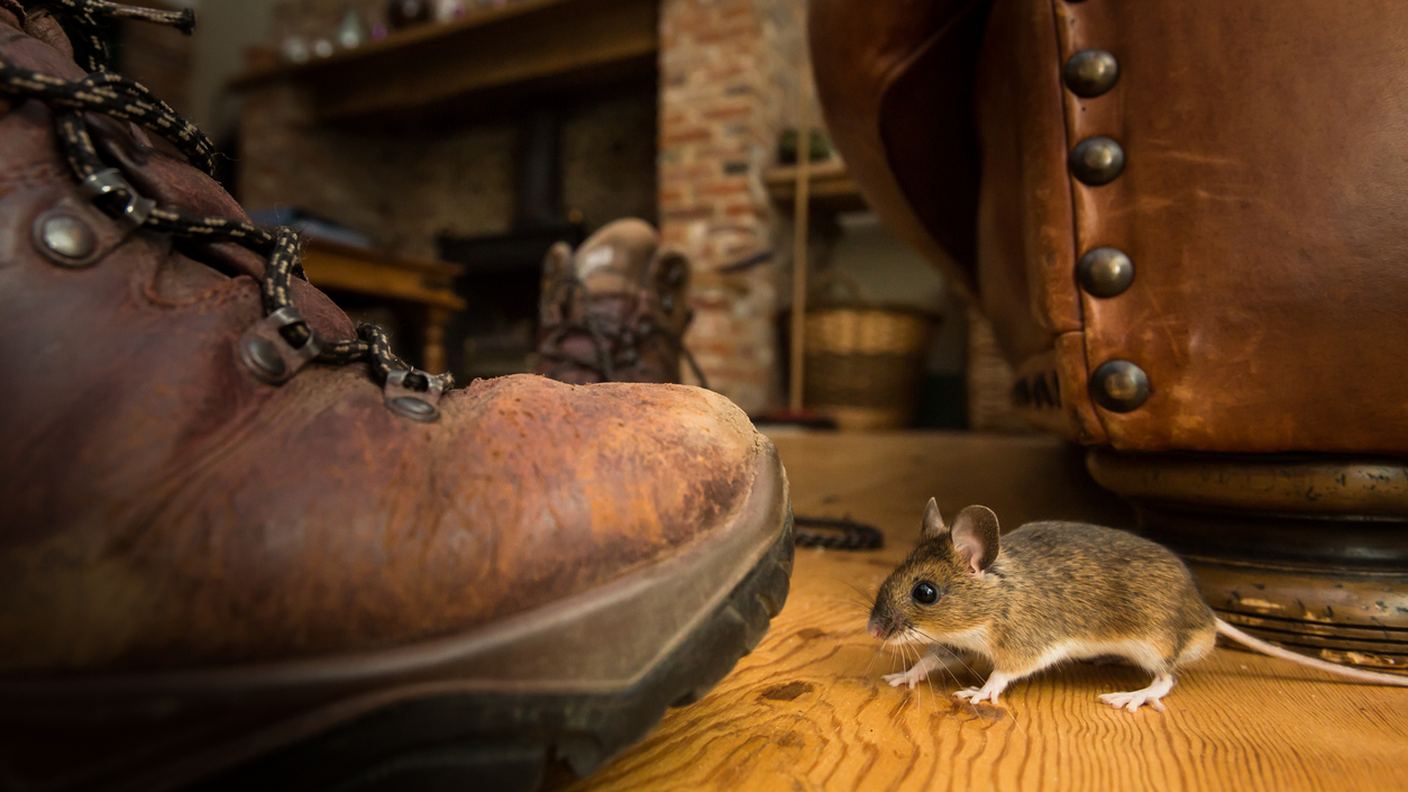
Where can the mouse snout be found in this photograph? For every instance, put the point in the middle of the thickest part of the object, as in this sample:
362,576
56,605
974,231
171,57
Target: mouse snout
882,626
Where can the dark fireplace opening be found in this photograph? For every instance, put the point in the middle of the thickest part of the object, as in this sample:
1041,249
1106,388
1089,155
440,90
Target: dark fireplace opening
497,331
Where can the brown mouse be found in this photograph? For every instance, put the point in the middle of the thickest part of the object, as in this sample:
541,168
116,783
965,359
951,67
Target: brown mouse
1054,591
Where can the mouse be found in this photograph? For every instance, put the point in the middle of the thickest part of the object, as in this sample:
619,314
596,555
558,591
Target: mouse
1053,591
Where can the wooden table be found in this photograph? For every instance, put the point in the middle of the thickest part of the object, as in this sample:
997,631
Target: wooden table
808,711
424,285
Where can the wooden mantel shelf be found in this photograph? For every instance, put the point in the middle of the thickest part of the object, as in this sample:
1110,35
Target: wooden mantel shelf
528,47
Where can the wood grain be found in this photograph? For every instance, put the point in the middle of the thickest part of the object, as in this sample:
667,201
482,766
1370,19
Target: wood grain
808,711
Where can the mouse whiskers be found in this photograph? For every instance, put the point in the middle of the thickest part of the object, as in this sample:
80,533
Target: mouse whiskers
958,658
880,647
921,647
905,652
853,601
866,593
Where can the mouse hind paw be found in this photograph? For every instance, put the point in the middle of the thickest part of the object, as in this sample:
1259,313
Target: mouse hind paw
1133,700
1152,695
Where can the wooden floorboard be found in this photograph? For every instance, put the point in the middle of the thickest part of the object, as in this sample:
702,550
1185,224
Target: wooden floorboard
808,711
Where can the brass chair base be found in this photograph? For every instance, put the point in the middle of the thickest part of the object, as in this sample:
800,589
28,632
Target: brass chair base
1308,552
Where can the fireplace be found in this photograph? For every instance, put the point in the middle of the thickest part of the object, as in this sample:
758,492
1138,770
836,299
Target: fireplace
496,333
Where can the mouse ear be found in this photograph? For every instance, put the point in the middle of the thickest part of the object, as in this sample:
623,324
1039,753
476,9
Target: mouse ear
975,539
933,525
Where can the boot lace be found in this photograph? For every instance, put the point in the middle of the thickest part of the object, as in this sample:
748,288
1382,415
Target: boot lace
616,342
408,391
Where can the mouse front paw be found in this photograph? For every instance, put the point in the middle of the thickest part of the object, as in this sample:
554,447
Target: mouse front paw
975,695
914,675
909,678
996,683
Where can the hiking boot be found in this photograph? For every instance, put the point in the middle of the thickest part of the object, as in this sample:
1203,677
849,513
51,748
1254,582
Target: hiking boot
244,547
616,309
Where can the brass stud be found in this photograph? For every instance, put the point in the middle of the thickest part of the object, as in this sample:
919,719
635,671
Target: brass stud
1119,386
1105,272
68,237
1096,160
1091,72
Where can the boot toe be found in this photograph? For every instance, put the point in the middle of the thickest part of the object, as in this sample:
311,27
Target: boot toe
577,485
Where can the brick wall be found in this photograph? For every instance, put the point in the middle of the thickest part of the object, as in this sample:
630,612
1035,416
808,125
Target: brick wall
728,86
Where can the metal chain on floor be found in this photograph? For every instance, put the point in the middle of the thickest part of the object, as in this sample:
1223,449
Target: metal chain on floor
111,94
836,534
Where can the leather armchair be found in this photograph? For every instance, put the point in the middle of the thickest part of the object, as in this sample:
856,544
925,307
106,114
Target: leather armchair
1186,221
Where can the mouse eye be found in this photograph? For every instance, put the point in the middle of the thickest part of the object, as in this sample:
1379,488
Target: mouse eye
925,593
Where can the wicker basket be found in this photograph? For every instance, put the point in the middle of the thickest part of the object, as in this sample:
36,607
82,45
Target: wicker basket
864,361
990,379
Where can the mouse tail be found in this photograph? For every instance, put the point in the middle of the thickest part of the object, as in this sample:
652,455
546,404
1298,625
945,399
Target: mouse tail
1259,645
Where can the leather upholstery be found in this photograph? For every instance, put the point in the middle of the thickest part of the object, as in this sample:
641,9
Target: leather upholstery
1261,203
896,87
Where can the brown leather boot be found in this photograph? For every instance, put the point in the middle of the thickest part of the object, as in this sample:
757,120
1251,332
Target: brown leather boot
327,581
616,309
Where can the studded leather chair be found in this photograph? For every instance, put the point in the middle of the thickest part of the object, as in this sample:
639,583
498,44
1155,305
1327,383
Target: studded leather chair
1187,223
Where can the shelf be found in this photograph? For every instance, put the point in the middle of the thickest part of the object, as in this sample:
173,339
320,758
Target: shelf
335,267
530,47
829,185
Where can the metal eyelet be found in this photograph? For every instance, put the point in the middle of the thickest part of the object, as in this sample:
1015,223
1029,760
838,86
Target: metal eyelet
65,240
414,394
111,180
74,234
268,355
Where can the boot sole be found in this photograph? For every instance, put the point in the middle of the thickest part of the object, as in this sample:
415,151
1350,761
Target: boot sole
509,742
496,709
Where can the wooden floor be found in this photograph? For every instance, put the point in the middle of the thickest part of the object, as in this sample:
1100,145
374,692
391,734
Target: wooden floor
808,711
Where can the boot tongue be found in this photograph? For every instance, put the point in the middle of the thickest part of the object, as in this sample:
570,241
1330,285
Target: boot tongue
12,13
609,269
177,186
47,29
614,260
170,182
37,43
611,311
